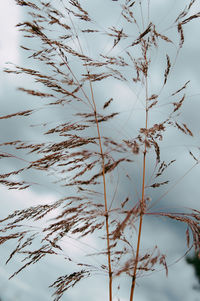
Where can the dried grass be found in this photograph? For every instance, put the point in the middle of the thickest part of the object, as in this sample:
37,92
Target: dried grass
83,160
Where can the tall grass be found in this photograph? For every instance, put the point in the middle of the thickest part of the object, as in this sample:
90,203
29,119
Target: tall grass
88,152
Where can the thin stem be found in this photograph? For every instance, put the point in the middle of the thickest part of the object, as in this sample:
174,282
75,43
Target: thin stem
173,186
140,229
142,201
106,209
70,70
141,12
103,173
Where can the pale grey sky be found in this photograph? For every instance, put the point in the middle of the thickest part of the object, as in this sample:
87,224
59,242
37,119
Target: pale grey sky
33,283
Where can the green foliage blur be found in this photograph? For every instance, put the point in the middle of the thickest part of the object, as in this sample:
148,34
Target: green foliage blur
195,262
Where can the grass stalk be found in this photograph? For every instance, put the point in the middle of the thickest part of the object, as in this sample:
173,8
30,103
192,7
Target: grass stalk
106,207
142,201
103,170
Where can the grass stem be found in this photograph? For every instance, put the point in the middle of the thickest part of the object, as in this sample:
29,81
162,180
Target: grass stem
142,201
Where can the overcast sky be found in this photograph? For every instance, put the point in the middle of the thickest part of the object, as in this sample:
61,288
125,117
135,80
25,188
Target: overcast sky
33,283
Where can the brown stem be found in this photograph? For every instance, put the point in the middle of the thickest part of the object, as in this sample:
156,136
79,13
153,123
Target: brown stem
140,229
103,175
142,201
105,200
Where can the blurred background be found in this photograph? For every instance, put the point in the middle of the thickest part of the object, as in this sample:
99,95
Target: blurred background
32,284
